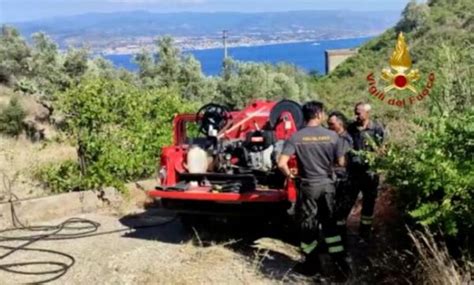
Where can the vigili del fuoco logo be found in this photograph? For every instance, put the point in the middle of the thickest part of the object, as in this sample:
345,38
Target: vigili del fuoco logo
400,78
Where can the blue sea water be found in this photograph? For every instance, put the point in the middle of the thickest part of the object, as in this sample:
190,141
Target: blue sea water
307,55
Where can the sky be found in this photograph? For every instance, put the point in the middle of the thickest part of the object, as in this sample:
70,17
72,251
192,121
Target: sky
25,10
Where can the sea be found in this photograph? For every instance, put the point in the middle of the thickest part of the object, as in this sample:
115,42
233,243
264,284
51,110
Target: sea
309,56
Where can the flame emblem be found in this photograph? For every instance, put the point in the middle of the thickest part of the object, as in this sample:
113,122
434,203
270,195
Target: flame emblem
400,61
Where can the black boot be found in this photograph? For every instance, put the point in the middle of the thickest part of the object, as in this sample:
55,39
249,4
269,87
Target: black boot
341,272
365,232
311,265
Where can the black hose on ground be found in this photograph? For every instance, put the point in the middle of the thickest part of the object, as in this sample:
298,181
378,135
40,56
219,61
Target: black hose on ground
82,227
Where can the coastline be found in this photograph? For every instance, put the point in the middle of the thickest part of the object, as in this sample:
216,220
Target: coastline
243,45
303,54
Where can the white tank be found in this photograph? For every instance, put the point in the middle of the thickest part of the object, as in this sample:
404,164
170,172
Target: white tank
196,160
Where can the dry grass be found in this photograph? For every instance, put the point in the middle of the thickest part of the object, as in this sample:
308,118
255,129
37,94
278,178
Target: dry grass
402,131
214,264
436,266
280,247
28,102
5,95
20,157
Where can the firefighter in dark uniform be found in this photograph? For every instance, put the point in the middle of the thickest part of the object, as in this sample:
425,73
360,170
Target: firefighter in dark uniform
317,150
345,195
367,135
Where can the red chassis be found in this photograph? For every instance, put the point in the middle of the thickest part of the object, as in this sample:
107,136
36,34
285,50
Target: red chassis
253,117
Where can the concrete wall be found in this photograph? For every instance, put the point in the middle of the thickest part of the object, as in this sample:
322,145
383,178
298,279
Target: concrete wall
337,56
35,210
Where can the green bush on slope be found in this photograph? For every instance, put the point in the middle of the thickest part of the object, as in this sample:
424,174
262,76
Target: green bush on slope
11,118
119,129
432,167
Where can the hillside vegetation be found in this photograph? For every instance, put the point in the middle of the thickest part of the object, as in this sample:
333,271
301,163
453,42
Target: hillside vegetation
118,120
440,37
431,159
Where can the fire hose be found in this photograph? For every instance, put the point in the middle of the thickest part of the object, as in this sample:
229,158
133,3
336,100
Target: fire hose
82,228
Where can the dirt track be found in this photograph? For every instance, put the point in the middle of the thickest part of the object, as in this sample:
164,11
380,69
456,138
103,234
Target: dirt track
159,255
209,254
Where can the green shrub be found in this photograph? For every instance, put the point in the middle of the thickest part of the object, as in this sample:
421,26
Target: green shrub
119,129
11,118
434,177
61,177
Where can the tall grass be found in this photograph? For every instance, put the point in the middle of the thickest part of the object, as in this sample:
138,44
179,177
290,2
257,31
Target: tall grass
435,264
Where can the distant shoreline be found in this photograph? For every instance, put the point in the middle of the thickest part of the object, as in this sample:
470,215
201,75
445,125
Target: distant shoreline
246,45
303,54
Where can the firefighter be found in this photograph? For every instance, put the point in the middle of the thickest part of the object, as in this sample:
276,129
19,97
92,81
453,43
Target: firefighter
317,150
345,196
367,135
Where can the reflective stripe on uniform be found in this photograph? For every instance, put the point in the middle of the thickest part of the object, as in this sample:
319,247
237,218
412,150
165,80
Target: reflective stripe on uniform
308,247
333,239
366,220
336,249
341,223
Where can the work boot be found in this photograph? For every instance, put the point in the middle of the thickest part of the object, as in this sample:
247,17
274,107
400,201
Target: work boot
341,270
310,267
365,232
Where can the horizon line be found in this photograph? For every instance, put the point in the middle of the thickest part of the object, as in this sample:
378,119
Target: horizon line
192,12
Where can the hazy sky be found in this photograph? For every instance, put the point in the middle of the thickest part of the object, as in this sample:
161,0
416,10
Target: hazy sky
24,10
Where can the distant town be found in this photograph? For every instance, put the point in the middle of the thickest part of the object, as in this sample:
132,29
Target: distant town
132,45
